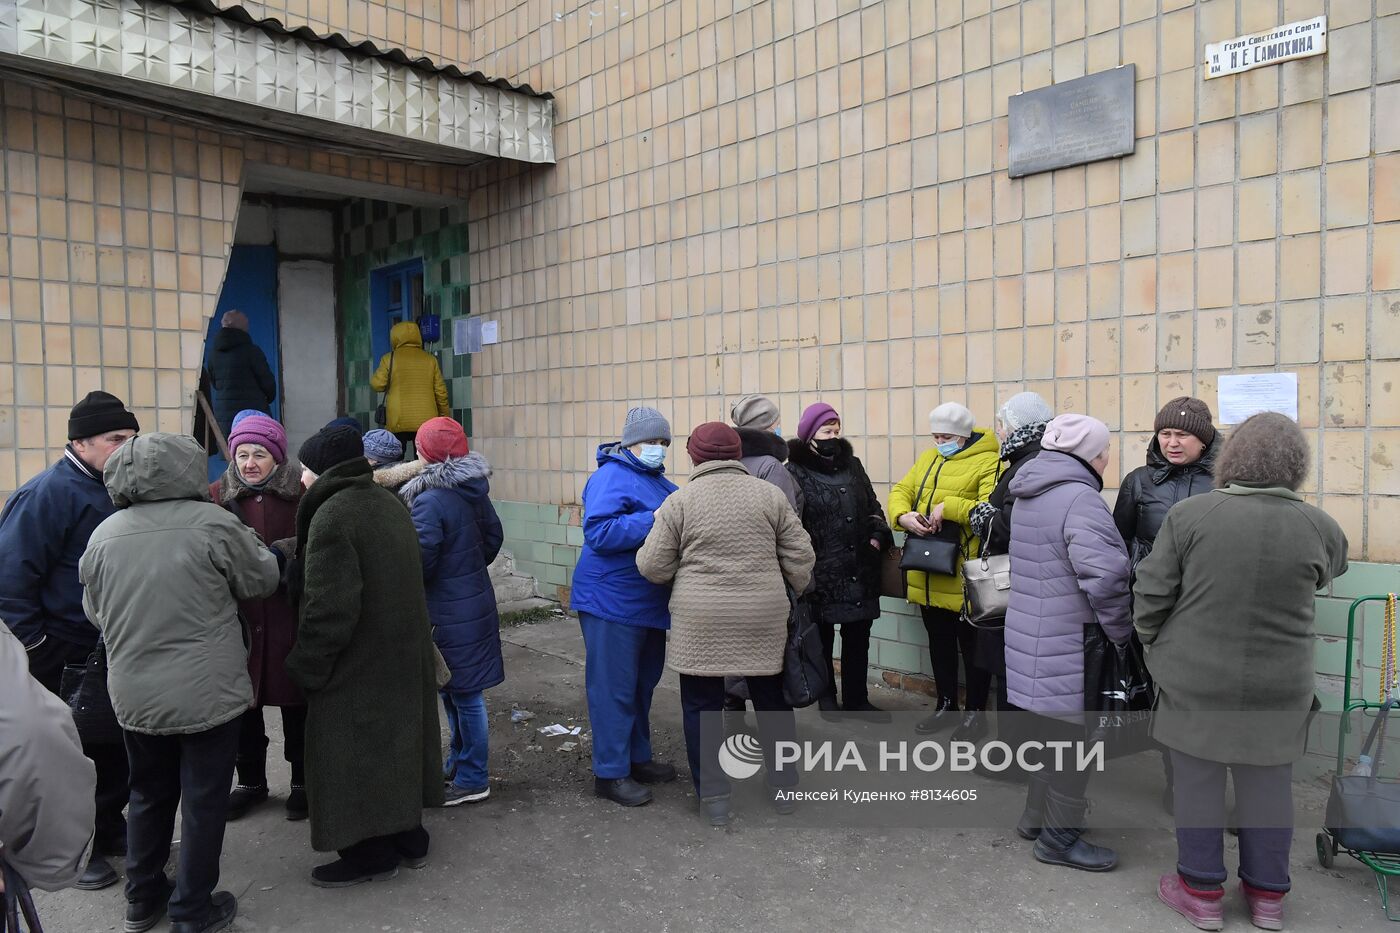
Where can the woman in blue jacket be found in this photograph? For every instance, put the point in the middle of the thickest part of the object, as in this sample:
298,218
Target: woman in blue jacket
459,535
624,616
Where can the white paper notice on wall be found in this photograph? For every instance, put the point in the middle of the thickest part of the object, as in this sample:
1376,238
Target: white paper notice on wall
490,332
1280,44
466,336
1238,397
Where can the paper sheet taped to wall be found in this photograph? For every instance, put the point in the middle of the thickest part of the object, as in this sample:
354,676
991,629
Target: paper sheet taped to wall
1238,397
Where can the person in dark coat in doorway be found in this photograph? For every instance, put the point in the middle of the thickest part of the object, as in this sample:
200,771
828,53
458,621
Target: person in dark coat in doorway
44,529
262,487
459,536
847,526
239,372
364,659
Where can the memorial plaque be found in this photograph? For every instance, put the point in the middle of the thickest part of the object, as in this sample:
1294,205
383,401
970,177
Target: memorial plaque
1074,122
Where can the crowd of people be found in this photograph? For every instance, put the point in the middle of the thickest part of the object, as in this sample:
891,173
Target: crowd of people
348,588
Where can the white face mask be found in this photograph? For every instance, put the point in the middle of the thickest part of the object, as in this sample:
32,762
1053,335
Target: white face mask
652,455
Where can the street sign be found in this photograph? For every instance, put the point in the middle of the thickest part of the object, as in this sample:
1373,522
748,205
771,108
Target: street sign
1283,43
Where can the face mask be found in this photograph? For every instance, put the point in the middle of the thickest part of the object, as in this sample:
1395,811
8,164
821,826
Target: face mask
777,431
949,448
827,448
652,456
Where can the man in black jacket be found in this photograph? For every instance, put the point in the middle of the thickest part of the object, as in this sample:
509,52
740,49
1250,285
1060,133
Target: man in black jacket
44,530
239,372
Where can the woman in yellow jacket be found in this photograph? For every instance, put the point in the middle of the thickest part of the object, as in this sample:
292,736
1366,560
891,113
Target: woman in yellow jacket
944,485
415,392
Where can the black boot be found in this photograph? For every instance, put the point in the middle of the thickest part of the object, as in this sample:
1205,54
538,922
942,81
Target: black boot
717,810
1060,841
624,791
829,709
945,715
99,874
1028,826
869,711
245,797
297,807
973,727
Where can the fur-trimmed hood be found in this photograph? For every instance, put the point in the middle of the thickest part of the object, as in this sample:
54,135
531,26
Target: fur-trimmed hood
284,484
762,444
394,475
449,474
801,454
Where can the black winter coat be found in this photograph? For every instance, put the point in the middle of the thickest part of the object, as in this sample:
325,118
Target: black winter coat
1149,492
240,377
999,534
841,514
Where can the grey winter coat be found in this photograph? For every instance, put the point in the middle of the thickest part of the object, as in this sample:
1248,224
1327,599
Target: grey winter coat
162,579
764,455
1069,568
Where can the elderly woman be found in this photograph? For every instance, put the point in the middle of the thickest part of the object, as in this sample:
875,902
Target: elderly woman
623,616
1069,569
849,534
733,550
943,487
1225,605
262,488
1020,424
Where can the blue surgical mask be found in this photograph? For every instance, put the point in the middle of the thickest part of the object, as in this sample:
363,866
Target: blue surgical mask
950,448
652,456
777,431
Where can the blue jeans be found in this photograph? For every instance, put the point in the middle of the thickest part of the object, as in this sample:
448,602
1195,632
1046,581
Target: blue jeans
466,756
623,667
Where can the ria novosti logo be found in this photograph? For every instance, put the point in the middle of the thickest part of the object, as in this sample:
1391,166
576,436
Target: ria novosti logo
740,757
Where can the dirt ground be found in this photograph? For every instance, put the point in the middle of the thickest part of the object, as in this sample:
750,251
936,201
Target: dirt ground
544,854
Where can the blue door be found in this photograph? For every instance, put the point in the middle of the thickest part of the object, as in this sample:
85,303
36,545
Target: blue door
250,286
395,295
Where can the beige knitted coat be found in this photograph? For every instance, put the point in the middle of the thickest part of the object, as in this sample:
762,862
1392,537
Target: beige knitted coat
726,542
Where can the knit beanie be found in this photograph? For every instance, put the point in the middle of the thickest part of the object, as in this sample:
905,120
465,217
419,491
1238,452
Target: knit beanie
754,411
713,440
246,413
98,413
816,415
260,429
235,319
645,424
1079,435
1023,409
383,447
952,418
347,421
330,447
440,439
1187,414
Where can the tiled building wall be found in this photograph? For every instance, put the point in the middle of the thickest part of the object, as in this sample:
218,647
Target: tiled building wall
811,200
378,234
114,237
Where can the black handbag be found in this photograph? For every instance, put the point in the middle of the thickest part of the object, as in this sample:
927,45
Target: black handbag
1118,693
936,553
804,664
1363,812
381,413
84,688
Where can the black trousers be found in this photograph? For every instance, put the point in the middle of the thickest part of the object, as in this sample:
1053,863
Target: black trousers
1263,807
46,663
381,853
252,745
855,659
191,772
1068,782
948,637
776,724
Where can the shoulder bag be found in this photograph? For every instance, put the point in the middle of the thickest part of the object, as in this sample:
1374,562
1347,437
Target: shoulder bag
84,688
804,665
1363,812
381,414
938,552
986,589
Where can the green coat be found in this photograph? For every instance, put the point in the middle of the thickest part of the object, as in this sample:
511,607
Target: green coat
363,656
1224,604
959,482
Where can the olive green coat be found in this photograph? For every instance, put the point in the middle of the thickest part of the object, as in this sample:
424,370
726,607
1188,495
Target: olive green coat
1224,604
364,659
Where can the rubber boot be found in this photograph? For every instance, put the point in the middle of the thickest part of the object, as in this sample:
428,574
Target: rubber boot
1028,826
1062,825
